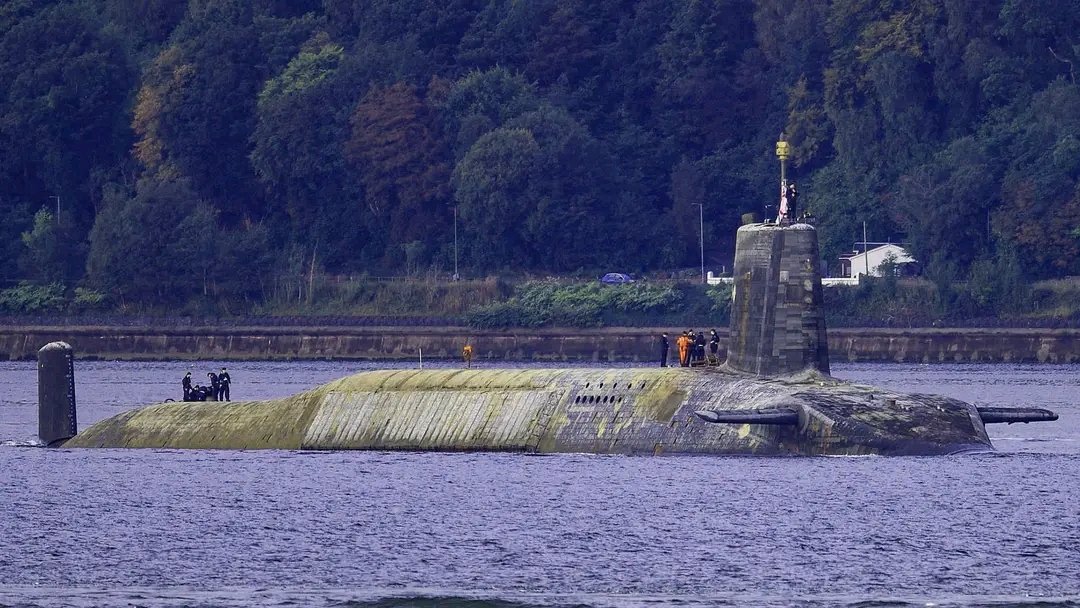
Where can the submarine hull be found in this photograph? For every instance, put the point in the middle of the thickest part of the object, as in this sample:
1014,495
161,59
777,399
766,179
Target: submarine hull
773,396
627,411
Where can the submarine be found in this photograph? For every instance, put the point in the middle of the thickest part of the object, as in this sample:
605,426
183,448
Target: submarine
773,395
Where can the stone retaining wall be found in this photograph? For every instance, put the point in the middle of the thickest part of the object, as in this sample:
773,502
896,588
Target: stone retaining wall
608,344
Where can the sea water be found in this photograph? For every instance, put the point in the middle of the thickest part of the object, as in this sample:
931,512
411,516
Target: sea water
291,528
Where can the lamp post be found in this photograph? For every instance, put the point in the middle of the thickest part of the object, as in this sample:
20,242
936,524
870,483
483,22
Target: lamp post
701,236
455,244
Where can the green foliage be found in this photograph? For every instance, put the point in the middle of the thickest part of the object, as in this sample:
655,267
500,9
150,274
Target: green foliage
43,258
161,244
89,299
396,147
29,298
15,218
721,297
571,138
550,303
306,71
485,100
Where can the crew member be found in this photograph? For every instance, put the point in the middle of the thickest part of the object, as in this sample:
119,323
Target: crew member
223,385
714,342
699,346
466,354
663,350
683,344
214,384
186,383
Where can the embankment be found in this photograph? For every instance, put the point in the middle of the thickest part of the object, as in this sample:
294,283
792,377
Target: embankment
607,344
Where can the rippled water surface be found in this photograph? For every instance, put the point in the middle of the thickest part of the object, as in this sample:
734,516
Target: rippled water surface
215,528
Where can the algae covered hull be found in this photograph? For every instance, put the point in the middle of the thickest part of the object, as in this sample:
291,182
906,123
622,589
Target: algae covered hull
625,411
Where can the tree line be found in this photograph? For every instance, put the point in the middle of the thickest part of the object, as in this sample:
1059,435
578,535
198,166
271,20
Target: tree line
229,150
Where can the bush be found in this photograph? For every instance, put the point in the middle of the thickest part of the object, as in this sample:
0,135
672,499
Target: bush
88,299
550,303
28,298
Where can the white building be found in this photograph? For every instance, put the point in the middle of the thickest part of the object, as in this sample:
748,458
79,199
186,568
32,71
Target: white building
858,263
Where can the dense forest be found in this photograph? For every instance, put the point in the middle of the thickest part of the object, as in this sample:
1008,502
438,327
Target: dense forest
156,149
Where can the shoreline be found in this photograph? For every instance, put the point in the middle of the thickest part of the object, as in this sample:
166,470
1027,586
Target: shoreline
612,344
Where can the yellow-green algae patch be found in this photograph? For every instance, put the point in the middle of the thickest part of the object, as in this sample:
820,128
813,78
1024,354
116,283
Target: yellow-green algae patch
443,409
277,424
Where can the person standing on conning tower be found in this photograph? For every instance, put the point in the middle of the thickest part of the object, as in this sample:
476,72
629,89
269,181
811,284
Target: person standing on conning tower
663,350
186,383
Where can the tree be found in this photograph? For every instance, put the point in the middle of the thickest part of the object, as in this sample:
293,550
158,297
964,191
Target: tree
299,158
196,109
489,182
536,194
703,92
482,101
945,205
156,245
1040,210
397,147
44,257
67,78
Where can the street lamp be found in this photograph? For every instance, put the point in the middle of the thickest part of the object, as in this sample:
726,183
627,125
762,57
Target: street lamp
455,245
701,236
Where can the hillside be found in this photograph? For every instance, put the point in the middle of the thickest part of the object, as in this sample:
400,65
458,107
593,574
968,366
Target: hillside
226,156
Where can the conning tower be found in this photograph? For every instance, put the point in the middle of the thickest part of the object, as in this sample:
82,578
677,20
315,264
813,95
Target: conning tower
777,322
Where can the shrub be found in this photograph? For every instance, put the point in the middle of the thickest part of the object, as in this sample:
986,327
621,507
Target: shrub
28,298
550,303
88,299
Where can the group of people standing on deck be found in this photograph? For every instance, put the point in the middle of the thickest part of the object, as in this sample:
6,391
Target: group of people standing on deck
691,347
216,390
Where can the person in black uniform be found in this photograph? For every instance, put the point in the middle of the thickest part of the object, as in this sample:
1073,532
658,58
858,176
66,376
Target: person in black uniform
793,198
699,346
714,342
663,350
214,385
186,383
223,382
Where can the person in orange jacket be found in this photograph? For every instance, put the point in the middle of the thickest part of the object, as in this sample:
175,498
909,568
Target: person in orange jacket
684,343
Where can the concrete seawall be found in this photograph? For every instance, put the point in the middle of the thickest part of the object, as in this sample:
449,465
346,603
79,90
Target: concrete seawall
608,344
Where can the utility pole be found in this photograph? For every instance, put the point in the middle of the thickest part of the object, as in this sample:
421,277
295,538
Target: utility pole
455,245
57,208
865,249
701,237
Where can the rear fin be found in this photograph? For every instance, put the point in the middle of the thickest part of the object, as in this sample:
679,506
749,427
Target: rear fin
783,416
1010,415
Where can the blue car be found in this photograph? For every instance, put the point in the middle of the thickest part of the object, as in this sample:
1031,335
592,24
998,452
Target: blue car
616,278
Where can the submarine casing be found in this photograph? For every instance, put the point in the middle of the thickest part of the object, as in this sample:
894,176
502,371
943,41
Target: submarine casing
630,411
